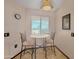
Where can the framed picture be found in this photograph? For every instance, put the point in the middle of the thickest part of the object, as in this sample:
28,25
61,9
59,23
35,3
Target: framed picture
66,22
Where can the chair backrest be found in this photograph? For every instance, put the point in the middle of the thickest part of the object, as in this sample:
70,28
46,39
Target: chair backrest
21,35
39,42
53,36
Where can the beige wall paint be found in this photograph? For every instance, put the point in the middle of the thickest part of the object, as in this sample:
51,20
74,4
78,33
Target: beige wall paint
63,38
12,25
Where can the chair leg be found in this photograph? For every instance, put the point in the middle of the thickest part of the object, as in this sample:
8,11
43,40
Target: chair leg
45,52
32,54
24,50
21,50
51,48
35,52
54,50
20,55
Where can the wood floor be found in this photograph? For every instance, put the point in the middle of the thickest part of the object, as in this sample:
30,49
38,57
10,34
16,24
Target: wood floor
40,54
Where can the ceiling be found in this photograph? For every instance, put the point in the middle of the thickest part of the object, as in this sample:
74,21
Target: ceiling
36,4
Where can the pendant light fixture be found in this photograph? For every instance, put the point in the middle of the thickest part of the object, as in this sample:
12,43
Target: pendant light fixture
46,5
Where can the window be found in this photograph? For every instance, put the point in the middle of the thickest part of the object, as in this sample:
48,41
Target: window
40,25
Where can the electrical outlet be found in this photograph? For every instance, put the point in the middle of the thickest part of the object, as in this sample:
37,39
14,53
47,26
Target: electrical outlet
6,34
15,45
72,34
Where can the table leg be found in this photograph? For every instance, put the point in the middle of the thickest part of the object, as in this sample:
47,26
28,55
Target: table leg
32,54
54,48
45,53
35,49
35,53
45,49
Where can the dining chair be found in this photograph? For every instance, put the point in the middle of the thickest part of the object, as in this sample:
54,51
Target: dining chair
26,44
40,43
50,42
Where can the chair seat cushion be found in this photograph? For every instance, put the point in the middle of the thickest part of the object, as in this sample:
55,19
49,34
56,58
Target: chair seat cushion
27,43
49,44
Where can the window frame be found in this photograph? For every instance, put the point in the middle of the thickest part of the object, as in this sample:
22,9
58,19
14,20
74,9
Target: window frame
40,18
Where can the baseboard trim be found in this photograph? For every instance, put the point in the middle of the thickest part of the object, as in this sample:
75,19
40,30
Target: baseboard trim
62,52
41,47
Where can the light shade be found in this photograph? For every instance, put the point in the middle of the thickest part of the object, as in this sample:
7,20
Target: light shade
46,8
46,5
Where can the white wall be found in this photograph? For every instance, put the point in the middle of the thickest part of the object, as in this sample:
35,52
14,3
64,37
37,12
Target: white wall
12,25
63,38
